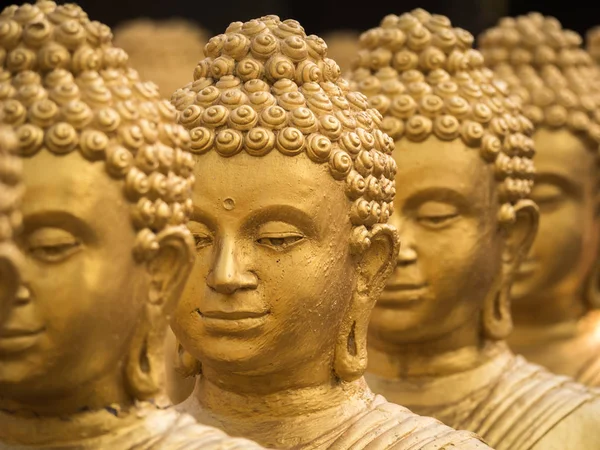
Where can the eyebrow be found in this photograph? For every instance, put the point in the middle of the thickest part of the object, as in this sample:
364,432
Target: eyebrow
441,194
282,213
559,180
59,219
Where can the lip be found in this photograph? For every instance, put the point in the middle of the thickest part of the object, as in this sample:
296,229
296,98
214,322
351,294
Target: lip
526,268
401,295
232,322
15,341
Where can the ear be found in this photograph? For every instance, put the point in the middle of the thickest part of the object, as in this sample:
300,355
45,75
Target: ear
10,276
520,235
375,265
168,267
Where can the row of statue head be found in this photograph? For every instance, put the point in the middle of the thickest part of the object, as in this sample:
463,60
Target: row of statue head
282,175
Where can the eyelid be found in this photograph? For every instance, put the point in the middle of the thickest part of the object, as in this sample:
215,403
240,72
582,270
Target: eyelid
50,236
436,208
280,234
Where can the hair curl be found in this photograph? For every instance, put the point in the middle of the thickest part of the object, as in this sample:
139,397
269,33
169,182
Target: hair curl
545,66
11,188
593,43
426,79
266,85
65,88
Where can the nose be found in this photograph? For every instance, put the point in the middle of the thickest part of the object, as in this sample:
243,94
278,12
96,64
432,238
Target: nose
227,274
408,252
23,295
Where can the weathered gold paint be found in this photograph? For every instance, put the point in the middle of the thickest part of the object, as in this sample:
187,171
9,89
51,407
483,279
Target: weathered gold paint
556,289
465,172
276,311
108,183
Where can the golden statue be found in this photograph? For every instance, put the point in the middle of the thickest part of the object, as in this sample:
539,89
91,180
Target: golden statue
294,186
342,46
11,191
555,293
108,192
162,50
463,150
593,43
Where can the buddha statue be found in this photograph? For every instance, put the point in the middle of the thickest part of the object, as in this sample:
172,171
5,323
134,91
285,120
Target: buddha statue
556,291
10,219
464,156
162,50
108,179
294,186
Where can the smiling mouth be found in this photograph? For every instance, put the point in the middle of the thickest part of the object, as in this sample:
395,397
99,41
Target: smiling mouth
15,341
402,295
232,322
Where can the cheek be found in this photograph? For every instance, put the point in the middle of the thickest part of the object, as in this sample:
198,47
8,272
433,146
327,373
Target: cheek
100,303
460,258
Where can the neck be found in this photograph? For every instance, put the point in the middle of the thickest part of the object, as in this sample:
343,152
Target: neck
461,350
66,431
285,418
108,391
440,380
548,311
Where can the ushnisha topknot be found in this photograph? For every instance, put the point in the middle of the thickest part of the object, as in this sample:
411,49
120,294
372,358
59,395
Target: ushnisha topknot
426,79
65,88
266,85
546,67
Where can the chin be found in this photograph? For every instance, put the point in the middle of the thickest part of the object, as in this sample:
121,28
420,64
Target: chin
235,355
398,326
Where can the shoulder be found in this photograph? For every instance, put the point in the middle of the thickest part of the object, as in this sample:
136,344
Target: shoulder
580,430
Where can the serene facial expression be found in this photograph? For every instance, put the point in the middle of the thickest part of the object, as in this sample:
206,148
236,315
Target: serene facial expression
450,254
273,274
565,248
79,301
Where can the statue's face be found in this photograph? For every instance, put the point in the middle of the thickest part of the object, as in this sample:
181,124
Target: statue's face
273,274
450,254
79,300
565,248
9,276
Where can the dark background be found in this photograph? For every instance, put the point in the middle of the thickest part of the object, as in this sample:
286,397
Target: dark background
319,16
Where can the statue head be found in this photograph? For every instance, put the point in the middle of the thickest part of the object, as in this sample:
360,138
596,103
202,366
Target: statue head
162,50
108,192
558,84
11,191
295,183
464,157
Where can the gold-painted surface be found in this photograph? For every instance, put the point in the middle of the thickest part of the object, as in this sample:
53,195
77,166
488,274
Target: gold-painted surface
465,172
108,180
11,192
556,288
162,50
295,183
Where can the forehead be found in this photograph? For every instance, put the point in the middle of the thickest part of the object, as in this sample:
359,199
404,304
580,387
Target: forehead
252,183
435,164
71,184
564,153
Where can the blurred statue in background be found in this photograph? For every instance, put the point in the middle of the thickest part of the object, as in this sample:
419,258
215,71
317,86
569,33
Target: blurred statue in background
108,180
342,46
556,291
465,171
163,51
593,43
